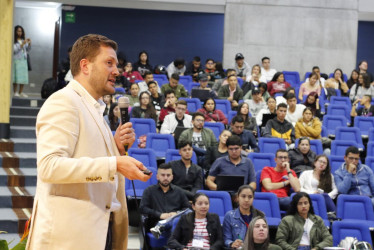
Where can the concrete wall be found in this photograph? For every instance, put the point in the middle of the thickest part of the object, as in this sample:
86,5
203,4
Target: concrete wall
295,34
39,25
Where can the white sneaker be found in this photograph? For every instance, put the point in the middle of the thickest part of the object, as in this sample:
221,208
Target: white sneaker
16,94
23,95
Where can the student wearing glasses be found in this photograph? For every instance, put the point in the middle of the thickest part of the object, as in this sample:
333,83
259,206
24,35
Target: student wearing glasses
280,179
353,177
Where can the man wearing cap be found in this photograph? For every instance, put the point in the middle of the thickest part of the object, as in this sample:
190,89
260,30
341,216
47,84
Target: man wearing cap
203,80
242,68
256,103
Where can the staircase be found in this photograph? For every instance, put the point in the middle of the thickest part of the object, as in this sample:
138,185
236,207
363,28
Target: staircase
18,168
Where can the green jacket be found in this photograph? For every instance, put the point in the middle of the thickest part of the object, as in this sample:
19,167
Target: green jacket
224,93
207,135
179,91
291,229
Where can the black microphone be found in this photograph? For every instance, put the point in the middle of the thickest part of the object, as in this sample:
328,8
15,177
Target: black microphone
123,104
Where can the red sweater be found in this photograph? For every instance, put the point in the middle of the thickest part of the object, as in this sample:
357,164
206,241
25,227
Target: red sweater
275,87
217,116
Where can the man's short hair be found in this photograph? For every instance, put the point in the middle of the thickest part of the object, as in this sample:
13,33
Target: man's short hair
352,150
168,92
282,105
237,118
290,96
183,143
151,82
281,150
181,102
179,61
165,166
228,71
88,47
209,59
197,114
265,58
196,59
175,76
147,73
315,67
228,77
359,64
234,140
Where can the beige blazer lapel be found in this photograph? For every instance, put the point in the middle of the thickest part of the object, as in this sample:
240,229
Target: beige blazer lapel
99,120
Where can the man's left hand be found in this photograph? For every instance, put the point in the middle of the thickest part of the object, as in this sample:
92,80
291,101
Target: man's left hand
125,135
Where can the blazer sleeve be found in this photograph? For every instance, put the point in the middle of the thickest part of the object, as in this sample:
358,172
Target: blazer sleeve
58,132
176,236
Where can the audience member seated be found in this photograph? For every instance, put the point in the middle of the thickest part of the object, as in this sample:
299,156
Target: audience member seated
219,73
302,158
162,201
320,181
114,116
131,75
258,237
157,99
352,177
121,81
308,126
177,119
242,68
277,84
148,77
194,68
282,98
210,69
312,102
363,67
178,89
134,95
186,174
211,114
233,164
254,79
222,82
321,77
203,81
301,229
256,103
270,109
249,122
235,223
107,99
310,86
295,111
353,79
142,65
337,82
176,67
367,109
280,128
263,89
169,106
217,151
280,179
198,229
146,109
363,87
246,136
231,92
202,138
266,71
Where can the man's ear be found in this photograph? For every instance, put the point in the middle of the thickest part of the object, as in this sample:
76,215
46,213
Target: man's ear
85,66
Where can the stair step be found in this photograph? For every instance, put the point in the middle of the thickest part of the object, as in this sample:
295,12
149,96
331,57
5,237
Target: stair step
6,145
19,159
22,120
27,102
24,144
16,197
18,177
21,110
27,159
22,132
13,220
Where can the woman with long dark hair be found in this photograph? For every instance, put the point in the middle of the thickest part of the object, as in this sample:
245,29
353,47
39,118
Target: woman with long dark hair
353,79
363,87
278,84
199,225
258,237
210,112
21,48
310,86
312,102
320,181
337,82
301,229
146,109
302,157
236,221
249,122
142,65
114,117
215,152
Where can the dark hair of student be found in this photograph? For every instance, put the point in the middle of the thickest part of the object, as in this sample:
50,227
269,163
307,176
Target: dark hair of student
292,210
325,180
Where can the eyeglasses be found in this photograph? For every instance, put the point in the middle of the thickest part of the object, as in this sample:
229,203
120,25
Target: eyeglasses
322,162
234,149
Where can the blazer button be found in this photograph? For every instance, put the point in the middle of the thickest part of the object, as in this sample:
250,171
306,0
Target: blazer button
107,207
100,178
87,179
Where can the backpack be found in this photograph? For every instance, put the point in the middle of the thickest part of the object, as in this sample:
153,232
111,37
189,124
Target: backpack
352,243
48,88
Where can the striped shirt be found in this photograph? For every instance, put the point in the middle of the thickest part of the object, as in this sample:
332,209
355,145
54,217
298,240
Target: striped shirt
200,233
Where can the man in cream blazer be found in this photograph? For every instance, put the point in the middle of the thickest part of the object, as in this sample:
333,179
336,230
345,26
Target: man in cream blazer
80,187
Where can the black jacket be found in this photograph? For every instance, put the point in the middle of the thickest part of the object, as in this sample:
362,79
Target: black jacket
183,232
297,162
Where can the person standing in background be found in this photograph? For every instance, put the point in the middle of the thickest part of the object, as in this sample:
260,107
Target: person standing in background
21,47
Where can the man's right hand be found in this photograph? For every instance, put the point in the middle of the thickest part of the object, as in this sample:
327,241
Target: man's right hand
352,168
131,168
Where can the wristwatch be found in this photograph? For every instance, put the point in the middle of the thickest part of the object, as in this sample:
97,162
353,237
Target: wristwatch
289,172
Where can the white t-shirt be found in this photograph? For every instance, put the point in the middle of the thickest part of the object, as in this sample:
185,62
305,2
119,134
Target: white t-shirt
197,140
268,74
262,79
296,115
305,239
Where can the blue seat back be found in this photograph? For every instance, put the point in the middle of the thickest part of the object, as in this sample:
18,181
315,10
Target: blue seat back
356,207
261,160
345,77
340,110
338,147
143,126
258,180
369,161
220,202
333,121
342,229
267,203
186,81
240,81
341,100
293,77
216,127
223,105
270,145
173,155
145,155
231,115
349,133
140,186
160,143
193,104
315,146
335,162
160,77
364,124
